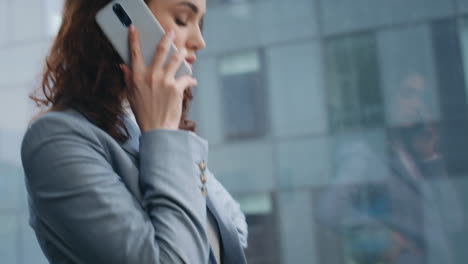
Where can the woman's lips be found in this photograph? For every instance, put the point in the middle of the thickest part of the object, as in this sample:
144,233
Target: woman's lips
191,60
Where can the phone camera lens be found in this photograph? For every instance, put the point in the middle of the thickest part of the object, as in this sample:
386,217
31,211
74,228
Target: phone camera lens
122,15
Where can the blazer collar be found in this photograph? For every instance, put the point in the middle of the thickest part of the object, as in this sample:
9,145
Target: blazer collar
132,145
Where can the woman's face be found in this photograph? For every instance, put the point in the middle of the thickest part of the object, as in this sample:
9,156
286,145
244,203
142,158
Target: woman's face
185,18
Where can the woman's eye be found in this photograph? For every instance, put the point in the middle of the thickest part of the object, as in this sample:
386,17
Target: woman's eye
180,22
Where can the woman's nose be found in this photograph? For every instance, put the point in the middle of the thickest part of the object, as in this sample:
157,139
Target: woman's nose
196,40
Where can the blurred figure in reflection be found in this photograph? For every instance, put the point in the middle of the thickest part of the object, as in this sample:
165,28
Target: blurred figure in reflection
396,205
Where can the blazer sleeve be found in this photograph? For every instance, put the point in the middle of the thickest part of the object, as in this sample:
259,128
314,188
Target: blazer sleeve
77,194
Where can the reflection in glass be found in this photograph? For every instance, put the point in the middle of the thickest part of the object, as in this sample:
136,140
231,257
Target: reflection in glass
399,206
353,84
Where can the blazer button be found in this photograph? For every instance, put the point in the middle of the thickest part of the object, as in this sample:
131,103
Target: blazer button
203,178
202,165
203,191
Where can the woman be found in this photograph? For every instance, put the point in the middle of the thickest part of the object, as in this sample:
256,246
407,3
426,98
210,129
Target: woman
104,189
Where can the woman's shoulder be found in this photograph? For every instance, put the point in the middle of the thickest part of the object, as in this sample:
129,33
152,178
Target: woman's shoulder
56,124
68,119
63,117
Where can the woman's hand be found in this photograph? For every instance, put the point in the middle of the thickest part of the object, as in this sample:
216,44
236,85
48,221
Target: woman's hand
154,94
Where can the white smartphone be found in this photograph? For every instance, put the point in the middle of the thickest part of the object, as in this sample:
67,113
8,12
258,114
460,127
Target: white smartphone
115,19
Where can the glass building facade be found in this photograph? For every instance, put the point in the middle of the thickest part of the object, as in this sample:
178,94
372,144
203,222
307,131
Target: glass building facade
340,126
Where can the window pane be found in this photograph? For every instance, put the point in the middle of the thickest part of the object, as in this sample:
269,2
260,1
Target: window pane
243,97
353,82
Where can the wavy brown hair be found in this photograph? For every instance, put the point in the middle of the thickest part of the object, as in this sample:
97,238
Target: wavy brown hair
82,71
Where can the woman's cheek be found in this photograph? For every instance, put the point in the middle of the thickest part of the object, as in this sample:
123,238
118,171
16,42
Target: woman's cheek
179,38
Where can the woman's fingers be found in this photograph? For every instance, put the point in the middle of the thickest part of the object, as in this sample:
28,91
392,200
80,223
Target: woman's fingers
155,95
127,75
185,82
162,50
175,62
137,60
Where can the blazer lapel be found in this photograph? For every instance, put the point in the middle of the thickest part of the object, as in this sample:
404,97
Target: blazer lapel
232,250
404,173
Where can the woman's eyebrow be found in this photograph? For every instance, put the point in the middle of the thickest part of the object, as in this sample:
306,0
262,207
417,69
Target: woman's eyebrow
190,5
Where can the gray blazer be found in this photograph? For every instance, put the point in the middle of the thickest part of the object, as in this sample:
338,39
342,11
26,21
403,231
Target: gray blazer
93,200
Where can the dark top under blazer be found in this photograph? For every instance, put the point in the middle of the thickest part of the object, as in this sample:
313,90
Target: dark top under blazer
93,200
